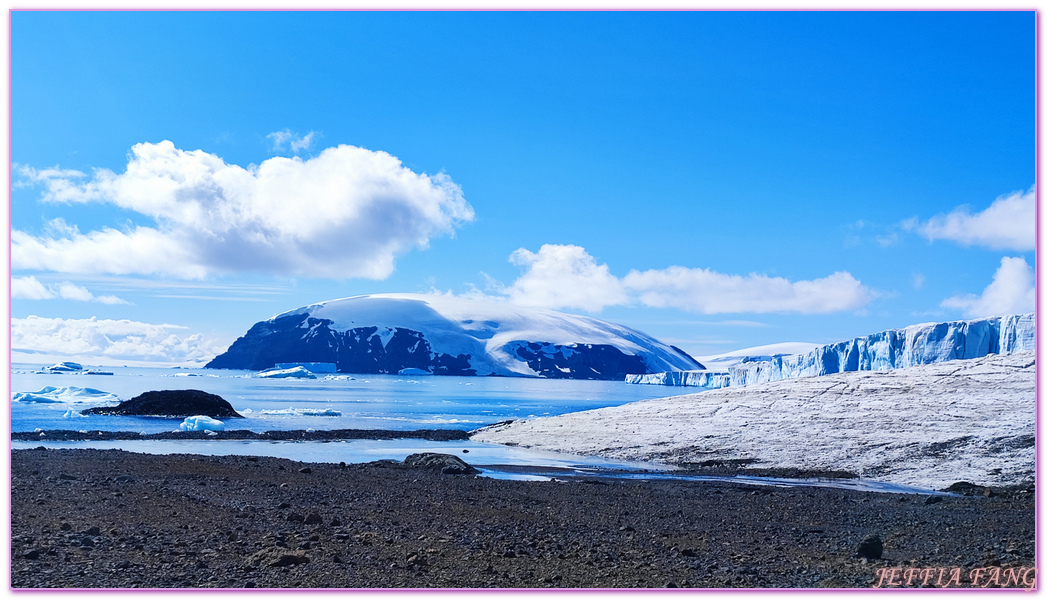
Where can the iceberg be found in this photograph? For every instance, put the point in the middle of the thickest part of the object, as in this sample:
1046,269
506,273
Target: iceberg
51,394
294,373
64,367
201,423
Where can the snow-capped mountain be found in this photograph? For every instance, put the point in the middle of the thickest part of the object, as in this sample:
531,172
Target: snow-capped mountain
447,335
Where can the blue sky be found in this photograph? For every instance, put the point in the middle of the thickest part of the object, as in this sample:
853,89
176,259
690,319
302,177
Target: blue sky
719,180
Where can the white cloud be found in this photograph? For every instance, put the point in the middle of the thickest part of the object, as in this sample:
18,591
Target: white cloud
110,339
1008,224
568,277
708,292
1012,291
29,288
292,140
348,212
564,277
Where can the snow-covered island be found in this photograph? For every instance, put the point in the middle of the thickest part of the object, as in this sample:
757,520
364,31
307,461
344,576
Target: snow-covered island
927,426
446,335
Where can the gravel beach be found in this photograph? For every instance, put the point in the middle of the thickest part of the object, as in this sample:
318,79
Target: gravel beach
114,519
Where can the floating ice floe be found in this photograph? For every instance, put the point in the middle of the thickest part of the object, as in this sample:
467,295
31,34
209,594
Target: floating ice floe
201,423
295,373
413,371
51,394
73,414
303,412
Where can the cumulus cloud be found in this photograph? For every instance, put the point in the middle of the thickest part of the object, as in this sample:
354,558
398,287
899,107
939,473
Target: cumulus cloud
568,277
110,339
29,288
347,212
289,139
1012,291
1008,224
564,277
708,292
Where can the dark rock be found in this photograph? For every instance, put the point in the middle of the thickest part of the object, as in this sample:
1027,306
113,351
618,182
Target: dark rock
32,555
313,519
448,464
94,531
932,500
171,403
125,479
305,470
66,477
968,489
871,546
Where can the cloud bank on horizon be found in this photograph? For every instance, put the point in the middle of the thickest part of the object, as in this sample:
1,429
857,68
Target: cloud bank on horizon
110,339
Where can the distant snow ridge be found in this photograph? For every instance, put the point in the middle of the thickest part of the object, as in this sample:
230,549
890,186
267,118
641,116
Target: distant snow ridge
922,344
445,335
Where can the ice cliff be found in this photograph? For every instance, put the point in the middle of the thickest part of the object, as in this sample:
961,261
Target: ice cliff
922,344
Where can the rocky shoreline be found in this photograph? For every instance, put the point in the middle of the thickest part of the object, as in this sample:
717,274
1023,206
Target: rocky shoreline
114,519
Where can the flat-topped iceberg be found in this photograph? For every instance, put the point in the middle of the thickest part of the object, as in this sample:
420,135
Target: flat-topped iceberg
51,394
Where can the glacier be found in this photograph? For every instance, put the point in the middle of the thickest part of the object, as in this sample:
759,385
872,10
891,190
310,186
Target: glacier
922,344
705,379
927,425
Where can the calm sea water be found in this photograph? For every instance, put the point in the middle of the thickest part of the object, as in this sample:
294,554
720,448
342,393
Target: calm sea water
358,402
335,402
362,402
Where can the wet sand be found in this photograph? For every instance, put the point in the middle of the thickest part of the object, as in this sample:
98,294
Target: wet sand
109,518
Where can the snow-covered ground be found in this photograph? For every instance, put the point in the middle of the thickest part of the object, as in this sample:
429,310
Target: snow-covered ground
926,426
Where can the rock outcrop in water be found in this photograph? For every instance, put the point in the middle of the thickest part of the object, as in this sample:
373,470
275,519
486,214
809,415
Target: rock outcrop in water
171,403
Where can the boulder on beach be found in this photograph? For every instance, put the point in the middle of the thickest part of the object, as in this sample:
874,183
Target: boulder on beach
171,403
448,464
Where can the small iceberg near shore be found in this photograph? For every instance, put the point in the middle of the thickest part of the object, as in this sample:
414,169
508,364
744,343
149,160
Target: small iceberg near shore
201,423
